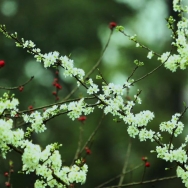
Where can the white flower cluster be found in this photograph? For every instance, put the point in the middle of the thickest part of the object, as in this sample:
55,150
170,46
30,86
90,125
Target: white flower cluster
112,100
183,174
28,44
113,89
114,104
176,5
70,70
77,108
8,104
52,59
9,136
74,109
25,44
150,55
36,120
168,153
48,165
137,125
93,88
180,60
173,126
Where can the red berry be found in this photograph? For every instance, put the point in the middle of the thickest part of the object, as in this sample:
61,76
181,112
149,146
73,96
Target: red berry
58,86
2,63
112,25
30,107
82,118
6,174
88,151
21,88
147,164
54,93
7,184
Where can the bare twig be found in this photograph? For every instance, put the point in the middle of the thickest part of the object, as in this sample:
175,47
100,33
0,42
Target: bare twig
93,133
79,144
125,163
136,167
143,182
17,87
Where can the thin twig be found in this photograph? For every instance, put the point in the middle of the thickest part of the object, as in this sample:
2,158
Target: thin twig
134,70
143,182
146,48
93,68
125,163
79,144
93,133
57,103
143,174
112,179
148,73
16,87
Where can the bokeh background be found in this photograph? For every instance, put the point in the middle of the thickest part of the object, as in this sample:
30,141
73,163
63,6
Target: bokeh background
80,28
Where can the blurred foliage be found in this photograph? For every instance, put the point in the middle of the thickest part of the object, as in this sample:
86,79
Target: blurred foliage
80,29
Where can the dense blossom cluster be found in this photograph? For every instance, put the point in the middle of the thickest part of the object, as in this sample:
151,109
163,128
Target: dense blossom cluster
172,127
47,163
179,60
168,153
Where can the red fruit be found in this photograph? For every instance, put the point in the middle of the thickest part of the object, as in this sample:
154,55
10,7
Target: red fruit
7,184
2,63
147,164
88,151
30,107
58,86
112,25
6,174
82,118
21,88
54,93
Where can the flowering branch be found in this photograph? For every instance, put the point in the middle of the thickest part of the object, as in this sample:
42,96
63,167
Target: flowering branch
109,98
